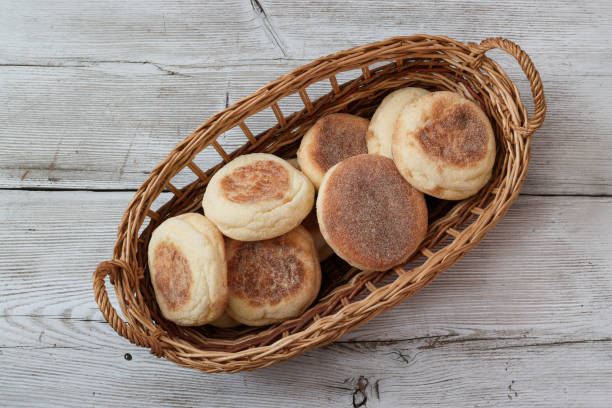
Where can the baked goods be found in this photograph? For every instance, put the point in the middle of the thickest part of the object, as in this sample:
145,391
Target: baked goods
294,162
312,225
224,322
444,145
370,216
382,124
330,140
188,269
272,280
257,196
367,211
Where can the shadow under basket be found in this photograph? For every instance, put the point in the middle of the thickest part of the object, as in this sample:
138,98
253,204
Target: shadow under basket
348,297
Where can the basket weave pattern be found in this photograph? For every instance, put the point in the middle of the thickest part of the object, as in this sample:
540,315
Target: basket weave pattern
349,298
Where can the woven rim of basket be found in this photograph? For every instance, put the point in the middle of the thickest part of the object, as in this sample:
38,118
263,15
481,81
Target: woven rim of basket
429,61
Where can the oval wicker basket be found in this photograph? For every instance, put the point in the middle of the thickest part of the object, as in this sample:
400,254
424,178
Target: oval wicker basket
348,297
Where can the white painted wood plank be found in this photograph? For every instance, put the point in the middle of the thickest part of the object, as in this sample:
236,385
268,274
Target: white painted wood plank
105,121
196,33
70,126
106,126
164,32
531,304
526,318
410,373
551,27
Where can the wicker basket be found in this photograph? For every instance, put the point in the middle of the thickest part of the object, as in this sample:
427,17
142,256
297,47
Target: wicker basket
348,297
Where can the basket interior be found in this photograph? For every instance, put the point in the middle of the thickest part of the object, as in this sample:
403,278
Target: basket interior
360,93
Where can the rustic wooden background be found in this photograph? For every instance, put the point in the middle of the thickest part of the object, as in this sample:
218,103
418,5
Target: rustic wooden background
94,94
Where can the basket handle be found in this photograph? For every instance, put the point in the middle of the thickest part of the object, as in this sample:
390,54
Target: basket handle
537,91
111,268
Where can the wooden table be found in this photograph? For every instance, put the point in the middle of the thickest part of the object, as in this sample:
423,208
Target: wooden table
94,94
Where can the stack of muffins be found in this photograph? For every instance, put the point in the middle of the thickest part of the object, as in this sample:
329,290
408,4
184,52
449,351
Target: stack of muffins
254,257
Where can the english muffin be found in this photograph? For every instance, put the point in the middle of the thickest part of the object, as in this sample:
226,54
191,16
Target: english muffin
272,280
369,214
312,225
257,196
444,145
224,322
330,140
188,269
294,162
380,131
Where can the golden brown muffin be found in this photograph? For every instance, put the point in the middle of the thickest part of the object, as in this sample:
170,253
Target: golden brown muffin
272,280
294,162
257,196
444,145
332,139
312,225
369,214
382,125
224,322
188,269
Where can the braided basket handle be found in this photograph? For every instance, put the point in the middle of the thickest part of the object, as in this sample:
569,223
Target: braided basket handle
537,91
111,268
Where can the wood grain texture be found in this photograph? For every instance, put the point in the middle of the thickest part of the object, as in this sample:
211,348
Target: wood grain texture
474,374
531,304
96,96
103,127
534,25
191,33
163,32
